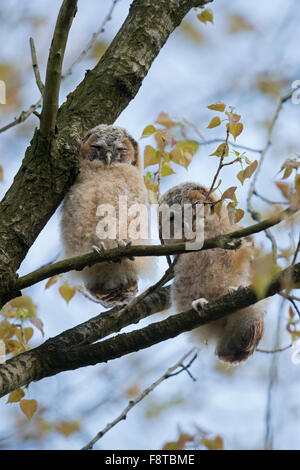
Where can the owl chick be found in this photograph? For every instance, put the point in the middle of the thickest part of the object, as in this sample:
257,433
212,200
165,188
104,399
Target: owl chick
204,275
110,169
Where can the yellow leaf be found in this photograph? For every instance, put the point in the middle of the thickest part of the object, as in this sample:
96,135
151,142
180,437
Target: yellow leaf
165,120
20,306
217,208
166,169
52,281
229,193
235,129
191,32
284,188
15,396
151,156
222,150
206,15
25,335
28,407
67,292
213,444
68,428
149,130
216,121
219,106
239,214
264,270
1,173
248,172
37,322
238,23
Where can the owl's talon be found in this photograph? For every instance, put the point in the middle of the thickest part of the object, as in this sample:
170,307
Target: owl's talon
198,304
232,289
99,249
121,244
129,243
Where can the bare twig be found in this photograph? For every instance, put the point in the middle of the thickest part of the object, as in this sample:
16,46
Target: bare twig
263,198
36,67
32,109
140,397
255,215
54,66
22,116
92,41
220,162
233,144
273,351
296,252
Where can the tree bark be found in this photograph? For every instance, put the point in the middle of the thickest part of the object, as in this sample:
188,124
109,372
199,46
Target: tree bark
53,357
50,163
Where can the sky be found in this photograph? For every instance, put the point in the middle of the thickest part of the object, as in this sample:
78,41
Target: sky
187,75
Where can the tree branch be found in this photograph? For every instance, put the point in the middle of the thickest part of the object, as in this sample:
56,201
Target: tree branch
141,396
49,168
224,241
54,67
50,359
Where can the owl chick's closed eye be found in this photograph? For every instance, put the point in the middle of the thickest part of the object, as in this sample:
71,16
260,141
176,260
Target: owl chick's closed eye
204,275
110,169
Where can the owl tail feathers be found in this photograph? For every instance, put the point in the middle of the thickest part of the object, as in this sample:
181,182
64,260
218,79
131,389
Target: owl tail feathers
240,344
111,297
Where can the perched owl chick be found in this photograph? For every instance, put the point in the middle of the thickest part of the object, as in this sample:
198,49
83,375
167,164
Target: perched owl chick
110,168
204,275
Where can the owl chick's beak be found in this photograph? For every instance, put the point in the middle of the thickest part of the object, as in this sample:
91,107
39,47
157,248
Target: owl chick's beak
108,158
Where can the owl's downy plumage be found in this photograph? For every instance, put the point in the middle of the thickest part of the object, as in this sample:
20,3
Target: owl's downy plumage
110,167
212,273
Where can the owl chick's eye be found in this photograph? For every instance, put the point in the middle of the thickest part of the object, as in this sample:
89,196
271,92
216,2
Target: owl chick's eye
122,148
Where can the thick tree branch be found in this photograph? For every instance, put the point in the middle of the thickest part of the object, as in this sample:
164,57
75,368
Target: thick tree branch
79,262
47,361
49,168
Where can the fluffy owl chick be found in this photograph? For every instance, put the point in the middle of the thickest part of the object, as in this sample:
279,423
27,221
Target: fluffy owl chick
204,275
110,168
